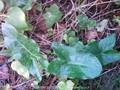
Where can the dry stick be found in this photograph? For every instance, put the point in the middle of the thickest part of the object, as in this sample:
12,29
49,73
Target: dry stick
57,35
94,3
13,87
101,11
47,2
108,71
108,12
65,1
48,42
83,6
91,5
53,80
3,15
70,12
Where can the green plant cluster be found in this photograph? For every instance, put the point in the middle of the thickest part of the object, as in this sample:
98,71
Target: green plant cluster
73,61
83,61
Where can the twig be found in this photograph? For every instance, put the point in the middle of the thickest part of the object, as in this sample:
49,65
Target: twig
13,87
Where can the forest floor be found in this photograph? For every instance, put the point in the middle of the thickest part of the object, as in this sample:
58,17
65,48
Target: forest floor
98,10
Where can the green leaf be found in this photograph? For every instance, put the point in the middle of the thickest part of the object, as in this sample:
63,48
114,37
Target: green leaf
107,43
1,5
65,85
80,61
103,50
110,57
70,37
74,64
85,22
63,51
52,15
79,66
16,17
35,70
24,4
92,47
22,69
23,49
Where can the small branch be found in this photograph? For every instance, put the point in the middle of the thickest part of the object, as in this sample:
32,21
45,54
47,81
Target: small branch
22,83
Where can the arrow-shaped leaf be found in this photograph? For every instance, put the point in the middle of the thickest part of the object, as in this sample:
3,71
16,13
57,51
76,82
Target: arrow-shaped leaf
23,49
74,64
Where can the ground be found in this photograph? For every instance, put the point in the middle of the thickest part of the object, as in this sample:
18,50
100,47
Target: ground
97,10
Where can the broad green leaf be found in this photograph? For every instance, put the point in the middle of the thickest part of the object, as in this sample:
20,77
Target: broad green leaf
16,17
92,47
65,85
52,15
110,57
85,22
1,5
79,46
74,64
63,51
79,66
80,61
23,49
24,4
107,43
103,50
22,69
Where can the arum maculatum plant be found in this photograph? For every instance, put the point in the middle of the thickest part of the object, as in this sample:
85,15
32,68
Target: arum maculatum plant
24,52
73,61
83,61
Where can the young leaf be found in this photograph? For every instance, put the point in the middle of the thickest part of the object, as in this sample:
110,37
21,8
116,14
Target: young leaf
74,64
1,5
92,47
16,17
70,37
107,43
24,4
23,49
68,85
109,57
62,51
52,15
22,69
27,4
85,22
